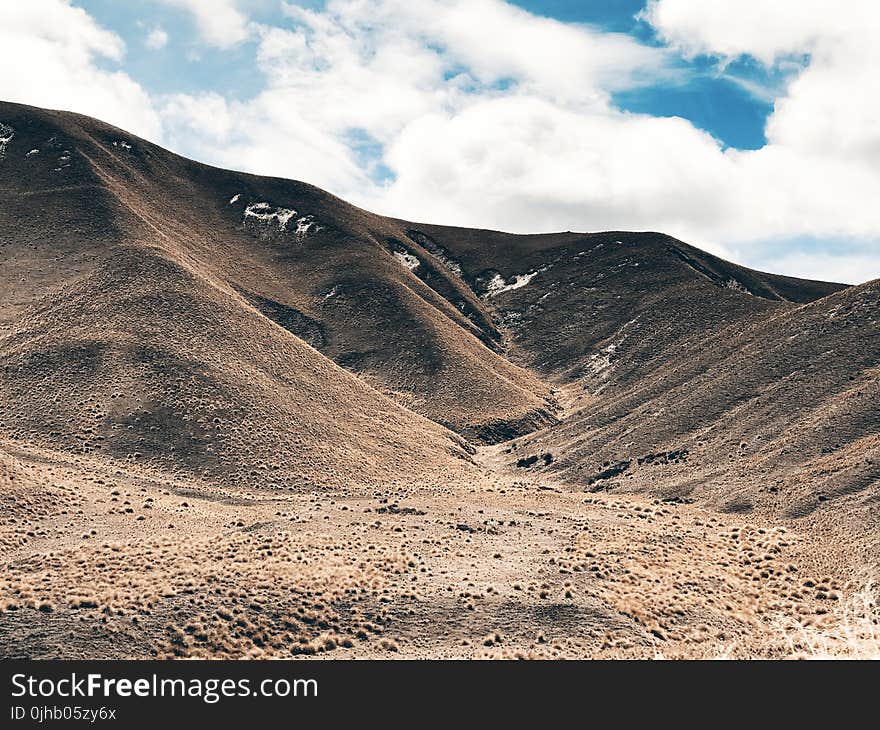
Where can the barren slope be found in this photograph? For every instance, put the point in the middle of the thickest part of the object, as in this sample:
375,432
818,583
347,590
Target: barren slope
144,360
571,304
778,414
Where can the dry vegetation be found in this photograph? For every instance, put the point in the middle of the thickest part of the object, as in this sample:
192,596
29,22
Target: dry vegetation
117,564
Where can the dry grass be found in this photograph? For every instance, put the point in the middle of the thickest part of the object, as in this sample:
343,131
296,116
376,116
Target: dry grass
855,634
479,569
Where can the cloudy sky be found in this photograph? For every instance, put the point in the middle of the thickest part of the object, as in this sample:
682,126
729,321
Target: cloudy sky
749,128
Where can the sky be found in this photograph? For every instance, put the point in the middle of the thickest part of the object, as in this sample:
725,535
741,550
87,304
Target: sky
748,128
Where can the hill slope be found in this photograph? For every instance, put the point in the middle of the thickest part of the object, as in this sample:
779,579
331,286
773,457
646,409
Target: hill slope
335,276
778,413
120,334
144,360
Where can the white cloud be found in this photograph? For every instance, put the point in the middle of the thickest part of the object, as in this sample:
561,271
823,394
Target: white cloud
376,68
206,117
827,109
156,39
488,116
765,30
524,163
220,22
268,136
495,41
49,50
820,172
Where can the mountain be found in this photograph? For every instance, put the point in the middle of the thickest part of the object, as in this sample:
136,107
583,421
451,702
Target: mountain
684,376
159,309
267,351
778,411
336,277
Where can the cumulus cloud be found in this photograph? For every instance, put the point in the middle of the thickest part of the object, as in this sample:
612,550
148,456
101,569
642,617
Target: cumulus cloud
156,39
220,22
495,41
525,163
380,70
51,51
821,167
269,137
767,31
826,109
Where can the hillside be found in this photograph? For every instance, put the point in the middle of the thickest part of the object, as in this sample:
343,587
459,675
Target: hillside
779,414
331,274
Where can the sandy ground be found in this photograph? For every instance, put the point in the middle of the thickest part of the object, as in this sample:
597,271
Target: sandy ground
104,562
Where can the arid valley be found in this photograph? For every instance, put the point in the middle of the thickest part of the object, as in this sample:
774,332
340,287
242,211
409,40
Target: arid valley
241,418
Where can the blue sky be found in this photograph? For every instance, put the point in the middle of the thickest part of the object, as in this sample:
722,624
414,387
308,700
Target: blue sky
747,128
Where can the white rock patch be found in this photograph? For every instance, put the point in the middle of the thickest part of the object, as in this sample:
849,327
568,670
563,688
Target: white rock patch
6,135
63,161
266,213
407,259
581,254
600,362
32,153
269,215
453,266
734,284
305,224
497,285
235,198
122,143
